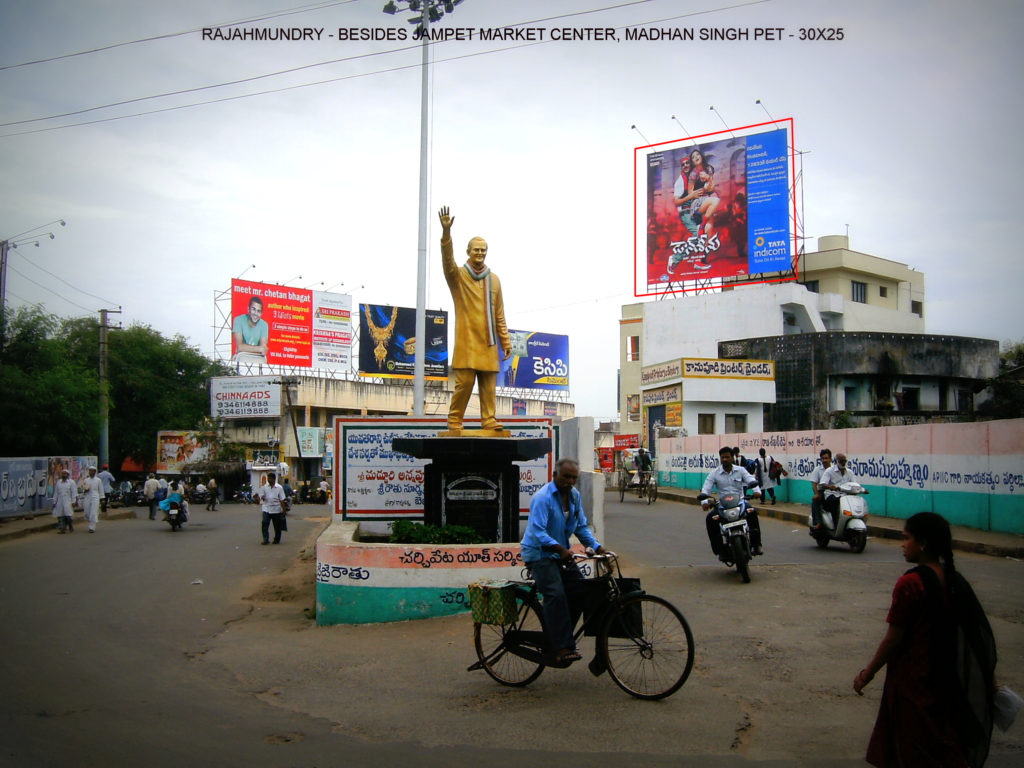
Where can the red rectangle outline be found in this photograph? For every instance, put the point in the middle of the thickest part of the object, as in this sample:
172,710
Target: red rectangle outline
792,166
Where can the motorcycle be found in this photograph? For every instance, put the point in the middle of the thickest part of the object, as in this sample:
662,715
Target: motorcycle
731,514
177,515
243,495
851,527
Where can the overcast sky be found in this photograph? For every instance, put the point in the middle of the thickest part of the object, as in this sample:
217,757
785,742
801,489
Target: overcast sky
910,124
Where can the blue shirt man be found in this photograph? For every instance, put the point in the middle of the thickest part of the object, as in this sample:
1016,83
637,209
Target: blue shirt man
556,514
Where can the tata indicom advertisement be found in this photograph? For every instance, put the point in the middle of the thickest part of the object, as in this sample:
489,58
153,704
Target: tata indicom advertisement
717,206
278,325
538,361
387,342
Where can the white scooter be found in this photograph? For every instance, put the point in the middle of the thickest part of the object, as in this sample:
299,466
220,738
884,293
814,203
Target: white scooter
851,527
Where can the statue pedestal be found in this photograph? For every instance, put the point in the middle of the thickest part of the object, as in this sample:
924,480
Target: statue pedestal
472,481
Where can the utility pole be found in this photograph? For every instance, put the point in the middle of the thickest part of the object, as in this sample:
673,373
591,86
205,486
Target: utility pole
104,452
4,245
28,237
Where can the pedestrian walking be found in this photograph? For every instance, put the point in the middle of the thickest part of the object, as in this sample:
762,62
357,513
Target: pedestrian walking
764,475
929,714
275,505
108,484
211,490
149,492
65,496
92,491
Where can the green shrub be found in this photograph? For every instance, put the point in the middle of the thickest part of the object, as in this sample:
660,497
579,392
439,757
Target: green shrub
407,532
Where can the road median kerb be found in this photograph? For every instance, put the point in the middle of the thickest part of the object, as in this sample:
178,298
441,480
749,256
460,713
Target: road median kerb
19,527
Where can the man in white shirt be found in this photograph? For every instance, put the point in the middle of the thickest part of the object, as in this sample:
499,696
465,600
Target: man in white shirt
92,490
149,489
108,483
729,478
275,504
830,482
818,491
65,496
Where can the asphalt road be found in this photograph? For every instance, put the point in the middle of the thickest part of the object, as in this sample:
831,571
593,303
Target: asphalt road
138,646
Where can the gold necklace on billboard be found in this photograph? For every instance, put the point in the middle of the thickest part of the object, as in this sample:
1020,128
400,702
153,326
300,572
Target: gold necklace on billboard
380,335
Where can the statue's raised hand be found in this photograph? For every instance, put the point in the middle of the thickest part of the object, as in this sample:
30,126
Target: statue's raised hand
446,220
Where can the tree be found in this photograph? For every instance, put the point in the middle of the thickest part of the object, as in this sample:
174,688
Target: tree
1007,401
50,377
48,407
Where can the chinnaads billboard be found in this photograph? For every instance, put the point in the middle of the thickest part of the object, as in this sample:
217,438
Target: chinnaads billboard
717,206
278,325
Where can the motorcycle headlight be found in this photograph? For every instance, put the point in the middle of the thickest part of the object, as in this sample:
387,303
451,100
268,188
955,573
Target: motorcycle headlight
731,514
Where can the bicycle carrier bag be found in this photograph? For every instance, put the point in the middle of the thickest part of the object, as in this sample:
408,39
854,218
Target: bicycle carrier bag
596,603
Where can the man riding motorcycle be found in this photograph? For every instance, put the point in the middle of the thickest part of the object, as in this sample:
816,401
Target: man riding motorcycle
729,478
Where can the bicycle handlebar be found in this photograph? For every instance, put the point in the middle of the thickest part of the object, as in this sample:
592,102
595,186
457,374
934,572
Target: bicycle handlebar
591,555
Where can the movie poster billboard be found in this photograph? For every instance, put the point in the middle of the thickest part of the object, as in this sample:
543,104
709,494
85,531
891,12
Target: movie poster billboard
278,325
538,361
176,448
717,206
387,342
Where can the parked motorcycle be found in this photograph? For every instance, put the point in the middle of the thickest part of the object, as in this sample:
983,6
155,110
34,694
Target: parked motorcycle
243,495
851,527
731,513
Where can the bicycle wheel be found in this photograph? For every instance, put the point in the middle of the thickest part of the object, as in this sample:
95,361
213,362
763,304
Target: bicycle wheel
652,492
656,657
528,632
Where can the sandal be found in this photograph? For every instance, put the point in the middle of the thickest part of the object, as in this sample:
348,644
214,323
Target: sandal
568,654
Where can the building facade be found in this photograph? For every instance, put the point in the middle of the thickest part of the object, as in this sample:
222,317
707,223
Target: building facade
842,300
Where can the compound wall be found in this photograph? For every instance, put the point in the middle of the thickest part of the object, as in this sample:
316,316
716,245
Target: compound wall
972,474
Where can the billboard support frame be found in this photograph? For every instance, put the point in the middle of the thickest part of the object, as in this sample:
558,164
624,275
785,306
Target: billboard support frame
796,236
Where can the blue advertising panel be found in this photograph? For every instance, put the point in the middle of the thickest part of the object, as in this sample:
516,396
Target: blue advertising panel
718,208
538,361
387,342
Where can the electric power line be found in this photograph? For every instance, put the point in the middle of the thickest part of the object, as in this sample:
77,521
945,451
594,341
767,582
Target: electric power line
167,36
329,80
50,290
108,302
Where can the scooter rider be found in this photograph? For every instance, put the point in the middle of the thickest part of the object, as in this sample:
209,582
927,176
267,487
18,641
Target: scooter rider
830,481
816,480
730,479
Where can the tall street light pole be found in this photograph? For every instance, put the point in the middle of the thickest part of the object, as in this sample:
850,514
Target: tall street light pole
429,10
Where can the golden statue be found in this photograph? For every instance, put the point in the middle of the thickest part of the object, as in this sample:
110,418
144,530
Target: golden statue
380,335
480,329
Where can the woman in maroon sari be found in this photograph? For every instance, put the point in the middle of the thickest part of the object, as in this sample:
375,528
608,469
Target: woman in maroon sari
916,724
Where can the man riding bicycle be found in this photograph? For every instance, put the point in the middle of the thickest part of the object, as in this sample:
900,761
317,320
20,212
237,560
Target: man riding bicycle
556,514
643,465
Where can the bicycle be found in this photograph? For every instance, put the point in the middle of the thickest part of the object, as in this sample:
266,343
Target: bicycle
642,640
644,489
